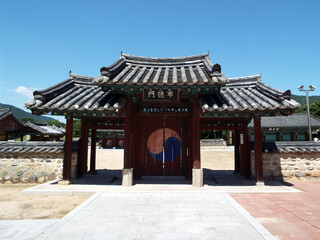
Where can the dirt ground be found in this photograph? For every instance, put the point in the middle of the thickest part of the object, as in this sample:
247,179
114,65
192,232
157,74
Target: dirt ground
211,158
14,205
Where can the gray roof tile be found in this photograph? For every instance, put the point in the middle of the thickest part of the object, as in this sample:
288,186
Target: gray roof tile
247,94
78,93
46,129
136,70
290,147
294,120
34,147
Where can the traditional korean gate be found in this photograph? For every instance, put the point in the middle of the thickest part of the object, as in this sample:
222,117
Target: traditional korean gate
161,146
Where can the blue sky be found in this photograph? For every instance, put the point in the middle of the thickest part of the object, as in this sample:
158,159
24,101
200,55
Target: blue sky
40,41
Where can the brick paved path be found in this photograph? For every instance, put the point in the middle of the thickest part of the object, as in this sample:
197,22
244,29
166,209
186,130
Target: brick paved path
287,215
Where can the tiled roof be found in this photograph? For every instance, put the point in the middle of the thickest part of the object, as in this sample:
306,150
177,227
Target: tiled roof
248,94
294,120
4,112
31,147
134,70
46,129
290,147
77,93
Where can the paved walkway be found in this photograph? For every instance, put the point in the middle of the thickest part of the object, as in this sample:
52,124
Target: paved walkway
145,215
287,215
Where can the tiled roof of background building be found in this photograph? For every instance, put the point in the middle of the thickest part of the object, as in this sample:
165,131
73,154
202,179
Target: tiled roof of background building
34,147
294,120
4,112
46,129
290,147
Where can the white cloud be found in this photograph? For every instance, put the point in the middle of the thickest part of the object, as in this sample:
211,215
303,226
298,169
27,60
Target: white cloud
28,92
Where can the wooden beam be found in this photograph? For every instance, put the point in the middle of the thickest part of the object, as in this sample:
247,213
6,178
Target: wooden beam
236,151
127,133
258,150
190,146
133,132
196,134
247,157
84,146
245,167
93,151
68,150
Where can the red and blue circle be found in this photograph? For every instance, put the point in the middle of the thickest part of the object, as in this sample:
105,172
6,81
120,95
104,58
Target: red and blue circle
166,140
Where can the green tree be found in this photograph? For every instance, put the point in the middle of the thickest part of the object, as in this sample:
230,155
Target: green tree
314,109
26,119
76,128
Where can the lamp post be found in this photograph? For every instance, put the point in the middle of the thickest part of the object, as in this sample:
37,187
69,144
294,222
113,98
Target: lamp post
312,88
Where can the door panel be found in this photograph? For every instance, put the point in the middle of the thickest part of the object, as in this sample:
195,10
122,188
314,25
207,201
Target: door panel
173,146
151,153
161,148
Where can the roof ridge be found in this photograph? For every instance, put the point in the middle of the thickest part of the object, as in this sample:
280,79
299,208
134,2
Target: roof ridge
246,77
164,58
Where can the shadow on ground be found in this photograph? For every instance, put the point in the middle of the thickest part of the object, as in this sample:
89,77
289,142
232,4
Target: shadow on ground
229,178
210,177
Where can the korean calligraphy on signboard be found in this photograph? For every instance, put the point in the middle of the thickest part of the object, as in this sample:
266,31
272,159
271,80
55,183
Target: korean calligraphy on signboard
166,94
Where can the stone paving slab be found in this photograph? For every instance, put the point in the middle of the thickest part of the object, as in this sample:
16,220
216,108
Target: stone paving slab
288,216
152,215
52,188
24,229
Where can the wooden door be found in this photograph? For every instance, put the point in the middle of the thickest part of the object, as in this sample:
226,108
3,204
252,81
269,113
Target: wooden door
161,148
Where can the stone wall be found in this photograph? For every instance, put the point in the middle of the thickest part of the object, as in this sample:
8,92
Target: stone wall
33,163
297,163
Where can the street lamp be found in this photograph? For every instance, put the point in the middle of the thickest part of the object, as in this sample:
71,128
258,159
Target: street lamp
312,88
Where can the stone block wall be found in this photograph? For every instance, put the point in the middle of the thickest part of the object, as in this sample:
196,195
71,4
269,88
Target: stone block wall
290,166
33,168
32,162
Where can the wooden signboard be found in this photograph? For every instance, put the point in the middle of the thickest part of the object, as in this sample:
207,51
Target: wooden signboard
160,94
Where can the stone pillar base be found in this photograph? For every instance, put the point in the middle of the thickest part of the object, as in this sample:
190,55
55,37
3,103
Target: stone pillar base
64,182
197,177
260,184
127,177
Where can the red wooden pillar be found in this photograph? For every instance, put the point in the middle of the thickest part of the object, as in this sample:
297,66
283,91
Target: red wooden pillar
190,145
84,146
68,150
292,136
247,157
133,158
236,140
242,153
127,133
258,150
136,138
80,150
93,151
278,136
245,166
196,134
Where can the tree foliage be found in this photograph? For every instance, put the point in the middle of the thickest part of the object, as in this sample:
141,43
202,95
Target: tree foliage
76,128
314,109
27,119
211,134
